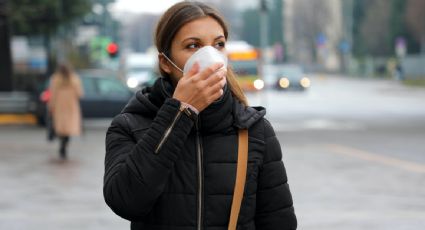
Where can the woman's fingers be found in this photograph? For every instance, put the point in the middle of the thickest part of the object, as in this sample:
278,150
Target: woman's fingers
203,75
216,77
214,89
193,70
201,88
216,95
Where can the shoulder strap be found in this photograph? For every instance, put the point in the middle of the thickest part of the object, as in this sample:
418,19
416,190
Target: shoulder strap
240,178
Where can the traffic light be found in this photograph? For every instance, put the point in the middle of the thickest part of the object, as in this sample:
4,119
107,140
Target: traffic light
112,49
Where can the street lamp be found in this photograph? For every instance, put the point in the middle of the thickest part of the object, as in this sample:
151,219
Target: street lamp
263,42
263,32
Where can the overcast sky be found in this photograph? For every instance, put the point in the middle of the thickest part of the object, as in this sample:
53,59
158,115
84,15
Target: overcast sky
158,6
137,6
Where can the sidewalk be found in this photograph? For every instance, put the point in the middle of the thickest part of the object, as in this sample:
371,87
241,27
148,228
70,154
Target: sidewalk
18,119
16,108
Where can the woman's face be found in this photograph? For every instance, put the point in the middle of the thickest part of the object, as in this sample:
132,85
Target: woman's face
201,32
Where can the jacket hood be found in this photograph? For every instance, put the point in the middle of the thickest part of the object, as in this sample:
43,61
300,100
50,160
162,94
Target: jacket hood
140,104
219,116
246,116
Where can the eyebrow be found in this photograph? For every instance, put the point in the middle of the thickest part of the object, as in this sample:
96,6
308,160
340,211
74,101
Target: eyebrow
198,39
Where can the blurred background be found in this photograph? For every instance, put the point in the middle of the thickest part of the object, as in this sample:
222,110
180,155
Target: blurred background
343,82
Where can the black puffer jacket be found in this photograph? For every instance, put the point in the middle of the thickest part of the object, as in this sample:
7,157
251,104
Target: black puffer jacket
165,171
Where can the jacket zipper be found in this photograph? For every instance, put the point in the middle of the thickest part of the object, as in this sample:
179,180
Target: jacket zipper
167,132
200,175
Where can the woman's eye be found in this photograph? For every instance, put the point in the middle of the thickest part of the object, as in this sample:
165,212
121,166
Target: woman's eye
220,45
192,46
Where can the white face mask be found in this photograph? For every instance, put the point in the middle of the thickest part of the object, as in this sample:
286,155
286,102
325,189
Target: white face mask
205,56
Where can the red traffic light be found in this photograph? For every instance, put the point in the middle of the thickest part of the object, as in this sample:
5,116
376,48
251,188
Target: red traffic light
112,49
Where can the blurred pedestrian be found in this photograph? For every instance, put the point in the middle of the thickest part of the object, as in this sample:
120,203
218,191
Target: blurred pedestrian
399,71
173,156
64,105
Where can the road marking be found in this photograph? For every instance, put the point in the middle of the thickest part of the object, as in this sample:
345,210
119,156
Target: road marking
374,157
317,124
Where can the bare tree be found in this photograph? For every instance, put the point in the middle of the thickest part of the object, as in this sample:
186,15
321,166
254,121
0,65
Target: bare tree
139,32
415,18
310,20
375,28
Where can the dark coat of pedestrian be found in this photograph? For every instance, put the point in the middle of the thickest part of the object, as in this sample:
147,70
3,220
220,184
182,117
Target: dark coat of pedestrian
171,155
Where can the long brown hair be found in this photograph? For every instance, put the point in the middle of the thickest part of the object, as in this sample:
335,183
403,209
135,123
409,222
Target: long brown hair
64,70
176,17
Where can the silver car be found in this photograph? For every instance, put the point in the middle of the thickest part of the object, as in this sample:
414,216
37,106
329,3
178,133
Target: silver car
289,77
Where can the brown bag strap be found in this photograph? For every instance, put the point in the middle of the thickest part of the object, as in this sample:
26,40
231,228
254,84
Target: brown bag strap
240,178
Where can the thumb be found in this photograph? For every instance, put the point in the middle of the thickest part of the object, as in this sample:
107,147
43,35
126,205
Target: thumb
193,70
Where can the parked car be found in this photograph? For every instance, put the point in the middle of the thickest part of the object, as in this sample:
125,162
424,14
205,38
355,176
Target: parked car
104,95
140,70
291,77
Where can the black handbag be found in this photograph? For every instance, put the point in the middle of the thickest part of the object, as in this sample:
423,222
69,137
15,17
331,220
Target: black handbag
50,128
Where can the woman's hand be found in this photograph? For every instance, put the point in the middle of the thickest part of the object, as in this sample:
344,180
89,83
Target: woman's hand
200,89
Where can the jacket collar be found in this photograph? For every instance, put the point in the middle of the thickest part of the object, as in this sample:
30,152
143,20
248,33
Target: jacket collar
222,115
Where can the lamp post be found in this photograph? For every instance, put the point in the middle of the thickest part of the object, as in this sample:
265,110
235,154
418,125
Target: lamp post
264,33
263,43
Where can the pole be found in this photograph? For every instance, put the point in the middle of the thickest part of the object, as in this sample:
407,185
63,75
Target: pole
6,81
348,7
263,31
263,43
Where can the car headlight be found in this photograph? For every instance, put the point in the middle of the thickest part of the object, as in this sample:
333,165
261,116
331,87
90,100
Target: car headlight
259,84
305,82
132,83
284,82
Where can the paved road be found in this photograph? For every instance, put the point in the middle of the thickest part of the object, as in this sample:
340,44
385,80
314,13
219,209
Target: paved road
357,179
354,152
353,149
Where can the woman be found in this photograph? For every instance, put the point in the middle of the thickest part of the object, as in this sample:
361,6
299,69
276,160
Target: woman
64,105
171,154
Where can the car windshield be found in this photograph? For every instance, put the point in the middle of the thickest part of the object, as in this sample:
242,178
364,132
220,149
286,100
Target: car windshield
110,86
101,82
89,86
291,72
245,67
98,75
140,69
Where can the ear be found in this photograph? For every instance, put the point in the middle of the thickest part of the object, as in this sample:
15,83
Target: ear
164,64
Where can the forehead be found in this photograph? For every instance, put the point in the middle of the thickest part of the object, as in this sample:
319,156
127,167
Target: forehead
202,28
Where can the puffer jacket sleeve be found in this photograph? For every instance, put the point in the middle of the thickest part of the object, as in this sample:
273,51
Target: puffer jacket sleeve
275,208
135,176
